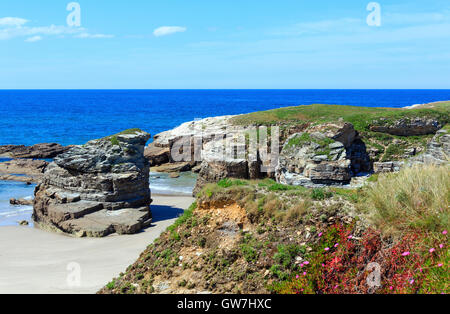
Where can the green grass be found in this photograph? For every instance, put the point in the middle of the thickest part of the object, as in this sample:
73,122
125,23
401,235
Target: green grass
226,183
299,140
320,194
188,213
114,141
415,198
130,131
360,117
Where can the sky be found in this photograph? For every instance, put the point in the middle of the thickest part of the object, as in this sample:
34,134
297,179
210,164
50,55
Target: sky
224,44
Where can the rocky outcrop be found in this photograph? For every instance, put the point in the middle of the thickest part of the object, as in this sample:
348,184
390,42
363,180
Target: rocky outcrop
97,189
157,155
437,153
44,150
407,126
24,170
21,201
324,154
438,150
387,166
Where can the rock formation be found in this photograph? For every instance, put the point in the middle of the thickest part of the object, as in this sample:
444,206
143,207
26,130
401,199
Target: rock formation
26,170
44,150
21,201
313,153
437,153
98,188
407,126
324,154
438,150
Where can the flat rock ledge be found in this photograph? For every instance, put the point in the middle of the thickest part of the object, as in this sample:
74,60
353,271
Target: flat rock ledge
97,189
43,150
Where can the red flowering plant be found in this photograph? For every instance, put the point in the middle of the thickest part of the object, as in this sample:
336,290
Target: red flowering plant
339,264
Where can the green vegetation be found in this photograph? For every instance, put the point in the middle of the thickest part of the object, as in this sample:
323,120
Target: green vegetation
320,194
226,183
130,131
187,215
299,140
415,198
360,117
114,141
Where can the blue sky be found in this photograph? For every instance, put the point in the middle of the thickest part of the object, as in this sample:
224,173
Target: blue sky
224,44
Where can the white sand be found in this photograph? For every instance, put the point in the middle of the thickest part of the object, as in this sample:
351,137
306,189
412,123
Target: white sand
36,261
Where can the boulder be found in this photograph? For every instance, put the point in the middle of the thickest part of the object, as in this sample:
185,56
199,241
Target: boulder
97,189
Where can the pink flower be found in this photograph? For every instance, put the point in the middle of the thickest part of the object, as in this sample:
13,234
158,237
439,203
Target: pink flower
391,288
297,276
335,287
441,246
350,237
336,245
327,249
411,281
405,253
305,263
440,265
320,234
444,232
432,250
323,265
304,273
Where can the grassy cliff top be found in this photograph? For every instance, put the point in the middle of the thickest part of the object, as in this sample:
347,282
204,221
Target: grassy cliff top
360,117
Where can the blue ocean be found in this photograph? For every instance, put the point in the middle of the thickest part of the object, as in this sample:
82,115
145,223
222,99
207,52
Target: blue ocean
76,116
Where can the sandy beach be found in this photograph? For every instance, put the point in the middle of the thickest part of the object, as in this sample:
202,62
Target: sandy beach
36,261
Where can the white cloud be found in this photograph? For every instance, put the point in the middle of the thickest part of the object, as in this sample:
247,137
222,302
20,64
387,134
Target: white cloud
319,27
87,35
12,27
33,39
12,21
25,31
168,30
